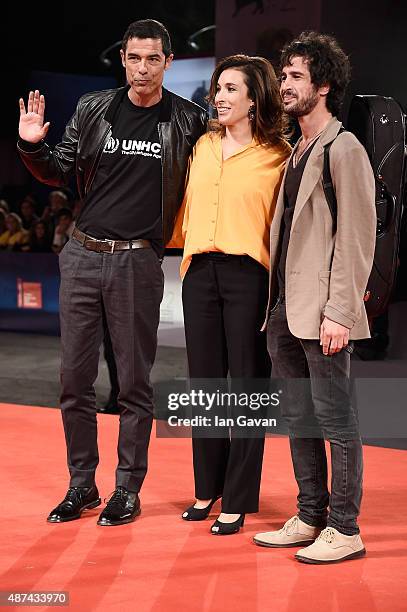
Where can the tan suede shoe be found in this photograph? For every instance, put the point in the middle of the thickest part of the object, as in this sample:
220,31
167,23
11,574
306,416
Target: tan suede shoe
331,546
294,533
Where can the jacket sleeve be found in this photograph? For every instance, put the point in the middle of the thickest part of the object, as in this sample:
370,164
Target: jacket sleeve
355,240
178,235
199,126
177,240
203,120
53,166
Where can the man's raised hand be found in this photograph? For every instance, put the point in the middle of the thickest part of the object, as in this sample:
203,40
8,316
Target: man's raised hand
31,127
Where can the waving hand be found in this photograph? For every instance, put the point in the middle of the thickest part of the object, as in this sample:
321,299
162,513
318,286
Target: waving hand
31,127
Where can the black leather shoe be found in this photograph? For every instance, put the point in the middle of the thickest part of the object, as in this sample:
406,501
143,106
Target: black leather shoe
199,514
76,501
219,528
111,406
122,507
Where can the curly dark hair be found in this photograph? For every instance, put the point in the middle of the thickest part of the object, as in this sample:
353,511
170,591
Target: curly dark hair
328,64
269,124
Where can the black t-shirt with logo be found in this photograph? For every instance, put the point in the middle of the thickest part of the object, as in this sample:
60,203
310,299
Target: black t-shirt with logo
124,202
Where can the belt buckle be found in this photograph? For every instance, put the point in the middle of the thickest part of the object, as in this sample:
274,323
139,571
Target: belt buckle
112,244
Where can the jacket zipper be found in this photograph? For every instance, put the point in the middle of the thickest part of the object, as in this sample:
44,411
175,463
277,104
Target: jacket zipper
159,127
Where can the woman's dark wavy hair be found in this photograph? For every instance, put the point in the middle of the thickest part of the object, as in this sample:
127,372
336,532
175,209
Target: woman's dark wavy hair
328,64
269,124
47,233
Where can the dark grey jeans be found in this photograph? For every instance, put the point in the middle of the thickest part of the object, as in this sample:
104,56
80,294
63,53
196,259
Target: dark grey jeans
317,404
129,286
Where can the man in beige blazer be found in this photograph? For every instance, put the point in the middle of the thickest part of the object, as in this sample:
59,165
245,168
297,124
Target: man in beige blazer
318,275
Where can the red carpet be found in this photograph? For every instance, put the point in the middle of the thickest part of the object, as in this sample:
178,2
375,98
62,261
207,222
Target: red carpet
161,563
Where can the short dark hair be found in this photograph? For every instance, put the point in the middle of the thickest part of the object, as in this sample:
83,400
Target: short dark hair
328,64
29,201
269,123
148,28
64,212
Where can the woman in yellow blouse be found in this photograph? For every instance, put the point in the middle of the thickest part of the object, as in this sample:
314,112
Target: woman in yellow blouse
233,183
15,236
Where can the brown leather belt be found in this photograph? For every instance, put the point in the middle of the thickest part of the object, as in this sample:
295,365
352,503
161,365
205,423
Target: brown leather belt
108,246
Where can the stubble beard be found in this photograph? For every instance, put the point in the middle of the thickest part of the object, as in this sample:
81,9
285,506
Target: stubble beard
304,107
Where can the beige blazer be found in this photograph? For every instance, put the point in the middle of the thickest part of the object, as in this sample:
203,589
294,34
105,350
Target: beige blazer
327,273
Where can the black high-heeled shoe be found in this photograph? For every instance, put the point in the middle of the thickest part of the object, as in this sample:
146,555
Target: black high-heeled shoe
199,514
219,528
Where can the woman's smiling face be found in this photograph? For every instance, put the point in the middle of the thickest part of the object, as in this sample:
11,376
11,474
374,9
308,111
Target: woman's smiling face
232,100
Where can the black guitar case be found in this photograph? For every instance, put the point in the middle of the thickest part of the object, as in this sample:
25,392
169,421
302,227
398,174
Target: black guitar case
379,123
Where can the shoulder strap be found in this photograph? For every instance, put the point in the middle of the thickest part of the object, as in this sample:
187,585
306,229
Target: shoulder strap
327,184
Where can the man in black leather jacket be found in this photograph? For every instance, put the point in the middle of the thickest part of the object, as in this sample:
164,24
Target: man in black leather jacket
129,150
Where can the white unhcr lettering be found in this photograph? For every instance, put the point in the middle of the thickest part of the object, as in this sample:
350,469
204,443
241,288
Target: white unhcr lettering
145,148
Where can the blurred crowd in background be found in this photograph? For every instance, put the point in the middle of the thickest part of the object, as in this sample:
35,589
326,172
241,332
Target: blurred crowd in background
33,226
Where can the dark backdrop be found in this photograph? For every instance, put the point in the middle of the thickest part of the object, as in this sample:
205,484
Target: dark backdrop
69,36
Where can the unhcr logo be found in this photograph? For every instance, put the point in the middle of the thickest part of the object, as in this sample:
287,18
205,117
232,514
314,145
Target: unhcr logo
112,145
141,146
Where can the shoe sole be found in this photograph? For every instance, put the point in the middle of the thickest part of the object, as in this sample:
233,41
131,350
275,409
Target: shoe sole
117,523
90,506
225,533
290,545
100,411
219,533
356,555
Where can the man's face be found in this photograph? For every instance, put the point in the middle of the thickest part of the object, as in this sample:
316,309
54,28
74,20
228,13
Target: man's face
56,201
40,230
145,64
64,222
299,95
27,209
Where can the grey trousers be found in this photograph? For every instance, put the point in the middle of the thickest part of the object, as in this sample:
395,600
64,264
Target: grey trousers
129,286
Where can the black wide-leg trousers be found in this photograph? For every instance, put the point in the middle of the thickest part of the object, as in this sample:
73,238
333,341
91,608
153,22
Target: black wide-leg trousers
224,300
128,285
